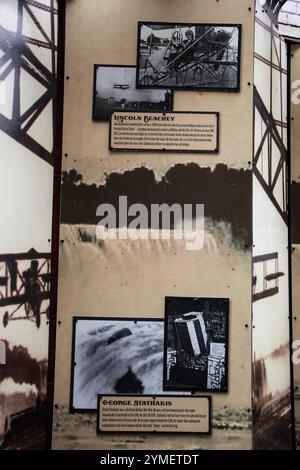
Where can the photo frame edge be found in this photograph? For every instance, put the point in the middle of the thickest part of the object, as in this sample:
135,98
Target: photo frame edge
190,88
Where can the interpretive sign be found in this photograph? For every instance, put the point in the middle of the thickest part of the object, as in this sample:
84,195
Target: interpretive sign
146,413
164,131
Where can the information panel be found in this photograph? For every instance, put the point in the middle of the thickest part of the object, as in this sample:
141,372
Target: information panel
164,131
146,413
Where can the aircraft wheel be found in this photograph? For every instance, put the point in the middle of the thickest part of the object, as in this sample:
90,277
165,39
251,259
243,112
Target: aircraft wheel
147,79
5,319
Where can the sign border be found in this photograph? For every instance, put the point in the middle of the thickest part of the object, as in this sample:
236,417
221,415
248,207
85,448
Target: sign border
163,150
207,397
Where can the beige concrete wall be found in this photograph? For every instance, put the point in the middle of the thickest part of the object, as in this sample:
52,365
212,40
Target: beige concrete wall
106,32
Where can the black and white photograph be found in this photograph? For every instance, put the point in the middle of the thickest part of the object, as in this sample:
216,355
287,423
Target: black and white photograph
115,90
189,56
196,344
28,80
115,356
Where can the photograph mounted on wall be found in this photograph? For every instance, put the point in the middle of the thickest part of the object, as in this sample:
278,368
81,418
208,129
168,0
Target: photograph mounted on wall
196,344
189,56
121,355
115,90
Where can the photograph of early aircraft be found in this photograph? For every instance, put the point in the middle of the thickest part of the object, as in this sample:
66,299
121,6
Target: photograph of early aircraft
115,90
24,286
192,56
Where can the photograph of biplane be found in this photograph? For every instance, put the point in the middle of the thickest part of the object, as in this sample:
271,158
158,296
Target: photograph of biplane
115,90
192,56
24,286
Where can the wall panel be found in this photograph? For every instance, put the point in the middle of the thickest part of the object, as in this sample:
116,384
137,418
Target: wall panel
271,337
131,278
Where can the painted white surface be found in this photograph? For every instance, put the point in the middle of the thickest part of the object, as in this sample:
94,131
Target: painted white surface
270,233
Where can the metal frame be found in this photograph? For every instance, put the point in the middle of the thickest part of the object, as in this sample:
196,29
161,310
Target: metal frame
55,239
273,8
281,170
267,276
16,295
19,56
271,134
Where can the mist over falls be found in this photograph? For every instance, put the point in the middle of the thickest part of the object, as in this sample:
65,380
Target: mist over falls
118,354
